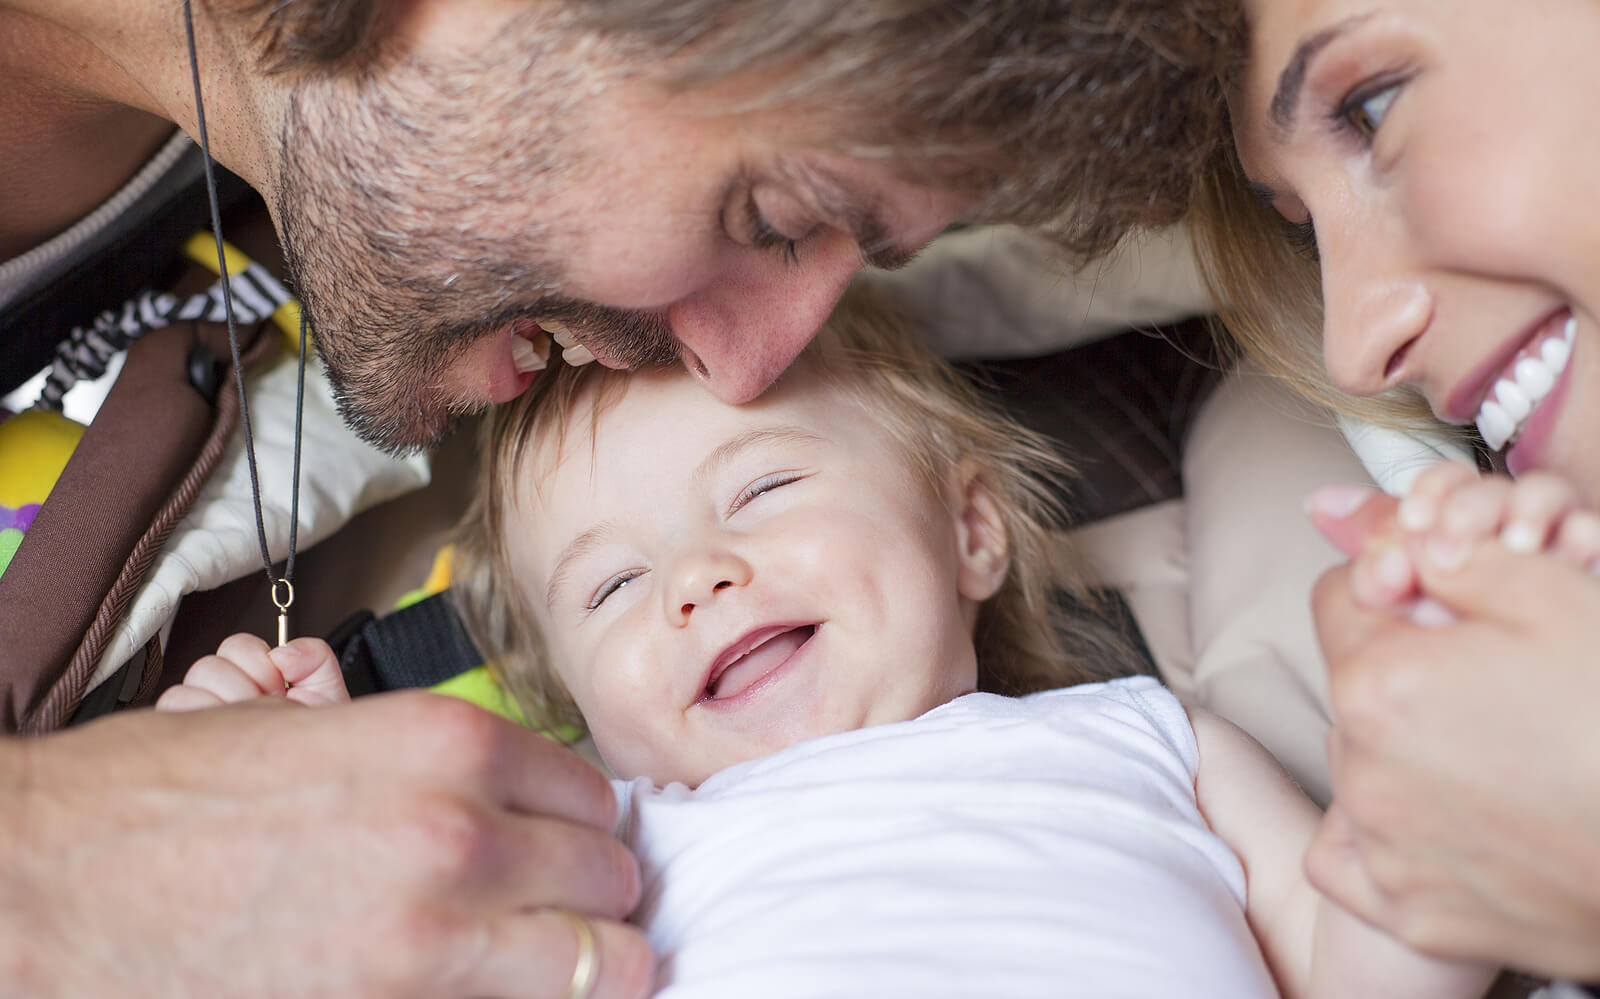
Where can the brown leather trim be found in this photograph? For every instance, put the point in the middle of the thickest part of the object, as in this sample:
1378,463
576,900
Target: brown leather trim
142,445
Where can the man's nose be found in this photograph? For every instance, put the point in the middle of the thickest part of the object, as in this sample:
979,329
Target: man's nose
744,330
1375,307
696,578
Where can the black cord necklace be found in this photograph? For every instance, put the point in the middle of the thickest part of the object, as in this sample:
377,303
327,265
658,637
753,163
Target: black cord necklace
282,587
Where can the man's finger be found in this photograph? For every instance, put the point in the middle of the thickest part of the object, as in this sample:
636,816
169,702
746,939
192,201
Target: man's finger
517,767
568,865
537,955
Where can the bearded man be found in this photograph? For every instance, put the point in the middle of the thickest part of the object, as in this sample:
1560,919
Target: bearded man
691,180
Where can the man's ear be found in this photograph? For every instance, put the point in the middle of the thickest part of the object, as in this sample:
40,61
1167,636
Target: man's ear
982,548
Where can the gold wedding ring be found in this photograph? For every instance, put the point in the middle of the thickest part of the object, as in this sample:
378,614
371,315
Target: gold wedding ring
587,968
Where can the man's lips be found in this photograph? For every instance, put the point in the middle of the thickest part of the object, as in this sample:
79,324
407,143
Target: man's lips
751,658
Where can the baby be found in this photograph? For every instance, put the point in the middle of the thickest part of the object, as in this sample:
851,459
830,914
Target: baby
812,638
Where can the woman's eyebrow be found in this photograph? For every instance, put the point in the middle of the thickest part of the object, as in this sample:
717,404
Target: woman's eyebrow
1286,99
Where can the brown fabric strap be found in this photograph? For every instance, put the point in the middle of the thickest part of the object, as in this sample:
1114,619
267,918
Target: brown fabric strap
141,445
62,700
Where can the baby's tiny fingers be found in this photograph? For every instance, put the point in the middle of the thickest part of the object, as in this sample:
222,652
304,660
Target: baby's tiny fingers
1383,577
226,680
1469,514
186,698
1534,510
1578,539
1420,508
312,671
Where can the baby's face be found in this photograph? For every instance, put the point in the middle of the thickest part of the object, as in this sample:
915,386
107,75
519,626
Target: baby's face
715,583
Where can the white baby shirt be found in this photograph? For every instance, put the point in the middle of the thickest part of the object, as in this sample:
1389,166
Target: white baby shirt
1042,846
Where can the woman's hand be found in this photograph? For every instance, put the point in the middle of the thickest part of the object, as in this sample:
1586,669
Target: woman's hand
1466,754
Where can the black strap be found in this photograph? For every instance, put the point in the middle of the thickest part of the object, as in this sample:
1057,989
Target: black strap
417,646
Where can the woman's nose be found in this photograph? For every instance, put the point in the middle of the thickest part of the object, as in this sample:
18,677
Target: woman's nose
1375,308
745,329
697,578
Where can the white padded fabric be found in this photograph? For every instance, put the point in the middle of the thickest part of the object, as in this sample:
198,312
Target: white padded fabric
217,541
998,291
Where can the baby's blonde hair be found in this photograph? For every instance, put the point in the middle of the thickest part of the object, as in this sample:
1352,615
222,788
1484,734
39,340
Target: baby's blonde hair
867,351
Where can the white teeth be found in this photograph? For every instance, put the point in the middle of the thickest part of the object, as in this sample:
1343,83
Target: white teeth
1535,377
1555,353
1495,425
558,332
1514,398
576,355
527,355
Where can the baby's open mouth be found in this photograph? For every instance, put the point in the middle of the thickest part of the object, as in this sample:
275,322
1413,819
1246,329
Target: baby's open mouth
742,669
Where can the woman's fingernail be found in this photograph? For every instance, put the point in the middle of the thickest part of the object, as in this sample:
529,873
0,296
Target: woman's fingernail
1339,500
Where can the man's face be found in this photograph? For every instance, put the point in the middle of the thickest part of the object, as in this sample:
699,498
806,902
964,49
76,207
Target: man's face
504,175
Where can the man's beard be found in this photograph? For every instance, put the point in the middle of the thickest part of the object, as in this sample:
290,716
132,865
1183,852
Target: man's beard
411,229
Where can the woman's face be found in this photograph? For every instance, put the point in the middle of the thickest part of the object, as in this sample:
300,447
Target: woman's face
1445,155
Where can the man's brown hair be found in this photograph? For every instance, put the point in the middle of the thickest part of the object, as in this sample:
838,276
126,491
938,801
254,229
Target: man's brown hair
1082,117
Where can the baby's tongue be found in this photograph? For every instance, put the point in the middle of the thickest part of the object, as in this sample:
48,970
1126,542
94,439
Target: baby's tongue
761,660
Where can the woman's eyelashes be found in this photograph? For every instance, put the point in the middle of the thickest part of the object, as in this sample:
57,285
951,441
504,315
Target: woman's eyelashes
1364,109
1303,237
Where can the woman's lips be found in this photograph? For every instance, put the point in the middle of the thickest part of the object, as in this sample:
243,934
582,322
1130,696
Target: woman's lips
1525,452
1516,397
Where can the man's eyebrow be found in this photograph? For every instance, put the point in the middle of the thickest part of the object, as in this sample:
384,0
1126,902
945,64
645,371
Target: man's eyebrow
1286,99
733,446
576,549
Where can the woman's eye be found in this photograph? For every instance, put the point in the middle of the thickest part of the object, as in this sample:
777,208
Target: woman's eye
1303,237
1365,113
765,484
612,585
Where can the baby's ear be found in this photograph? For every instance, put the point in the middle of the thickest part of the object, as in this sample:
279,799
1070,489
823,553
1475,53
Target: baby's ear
983,549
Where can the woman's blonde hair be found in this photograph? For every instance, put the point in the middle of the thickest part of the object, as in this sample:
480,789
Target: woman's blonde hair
1027,638
1267,292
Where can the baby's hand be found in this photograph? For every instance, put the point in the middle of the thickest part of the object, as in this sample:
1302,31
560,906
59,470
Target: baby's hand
1449,509
305,670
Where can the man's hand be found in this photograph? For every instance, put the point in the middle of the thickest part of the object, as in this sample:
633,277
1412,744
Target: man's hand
404,845
1465,761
